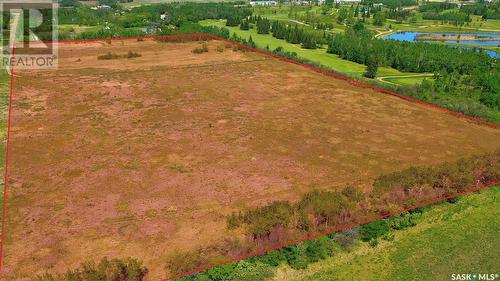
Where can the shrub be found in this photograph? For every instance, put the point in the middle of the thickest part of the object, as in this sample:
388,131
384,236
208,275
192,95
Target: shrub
319,248
374,230
447,178
388,237
112,56
325,206
183,262
108,56
202,49
233,221
262,220
373,243
347,238
403,220
296,257
220,273
453,200
131,54
303,221
272,258
251,272
352,193
113,270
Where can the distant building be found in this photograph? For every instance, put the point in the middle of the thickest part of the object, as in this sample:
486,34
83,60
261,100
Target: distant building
155,27
263,3
101,7
346,1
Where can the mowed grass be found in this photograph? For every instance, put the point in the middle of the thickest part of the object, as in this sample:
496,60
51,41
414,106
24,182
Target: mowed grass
449,238
317,55
407,80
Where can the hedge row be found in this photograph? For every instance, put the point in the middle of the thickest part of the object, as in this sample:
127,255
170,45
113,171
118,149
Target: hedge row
318,210
128,269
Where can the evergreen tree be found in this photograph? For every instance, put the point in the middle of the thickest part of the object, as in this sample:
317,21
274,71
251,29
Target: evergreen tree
245,25
263,25
251,43
378,19
233,20
371,67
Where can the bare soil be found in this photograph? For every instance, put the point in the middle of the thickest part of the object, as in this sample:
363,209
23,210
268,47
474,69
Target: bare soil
145,157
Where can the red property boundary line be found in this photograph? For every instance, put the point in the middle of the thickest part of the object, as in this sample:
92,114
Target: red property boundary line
316,69
6,164
330,231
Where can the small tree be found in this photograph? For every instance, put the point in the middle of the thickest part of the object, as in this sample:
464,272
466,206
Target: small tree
244,25
379,19
371,67
251,43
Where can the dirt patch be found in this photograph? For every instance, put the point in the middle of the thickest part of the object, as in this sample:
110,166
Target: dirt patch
144,157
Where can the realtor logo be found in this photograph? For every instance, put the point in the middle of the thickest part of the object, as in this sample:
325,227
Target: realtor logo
27,28
474,276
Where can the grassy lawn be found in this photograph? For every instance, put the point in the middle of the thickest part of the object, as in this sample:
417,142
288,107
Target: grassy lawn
75,28
406,80
318,55
449,238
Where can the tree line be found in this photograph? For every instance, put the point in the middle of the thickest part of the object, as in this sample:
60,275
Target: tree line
460,75
175,14
291,33
318,210
484,9
408,56
128,269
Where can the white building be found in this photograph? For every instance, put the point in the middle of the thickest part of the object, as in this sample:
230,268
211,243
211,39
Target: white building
263,3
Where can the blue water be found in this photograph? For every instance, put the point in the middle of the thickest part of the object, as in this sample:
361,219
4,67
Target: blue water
410,36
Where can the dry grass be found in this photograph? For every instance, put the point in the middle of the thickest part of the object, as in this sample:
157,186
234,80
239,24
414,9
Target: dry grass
145,157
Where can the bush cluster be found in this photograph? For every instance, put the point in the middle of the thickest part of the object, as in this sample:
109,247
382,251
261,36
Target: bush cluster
202,49
113,56
128,269
301,255
316,209
449,177
320,209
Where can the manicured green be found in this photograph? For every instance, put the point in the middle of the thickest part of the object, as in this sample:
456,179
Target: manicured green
412,80
449,238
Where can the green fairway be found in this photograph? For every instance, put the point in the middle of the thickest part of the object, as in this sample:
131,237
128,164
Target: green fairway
449,238
411,80
318,55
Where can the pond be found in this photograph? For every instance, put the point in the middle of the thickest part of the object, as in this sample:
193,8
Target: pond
410,36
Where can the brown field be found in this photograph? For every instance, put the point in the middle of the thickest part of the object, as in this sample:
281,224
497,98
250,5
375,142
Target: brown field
145,157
